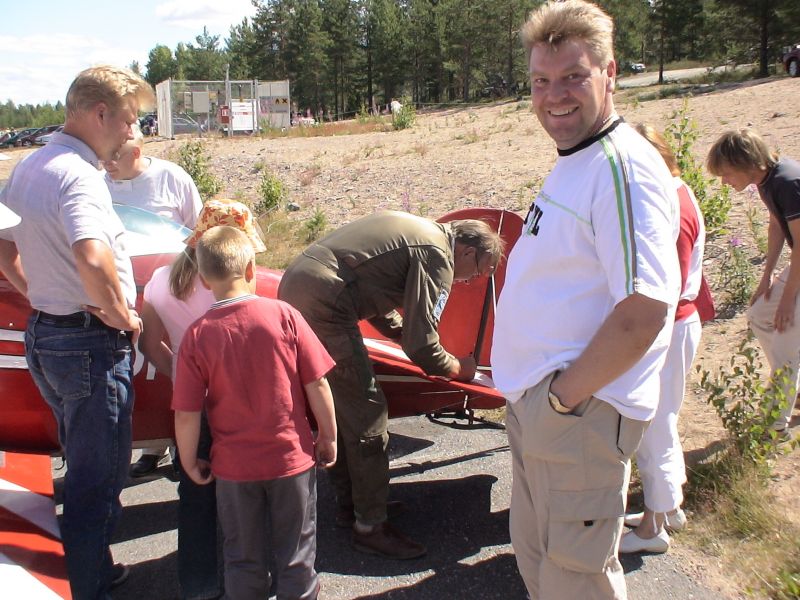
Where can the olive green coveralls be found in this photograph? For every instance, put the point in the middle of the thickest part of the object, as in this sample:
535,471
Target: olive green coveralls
366,270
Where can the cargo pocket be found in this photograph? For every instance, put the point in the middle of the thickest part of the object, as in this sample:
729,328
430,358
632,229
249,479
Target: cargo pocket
629,435
372,446
583,528
340,347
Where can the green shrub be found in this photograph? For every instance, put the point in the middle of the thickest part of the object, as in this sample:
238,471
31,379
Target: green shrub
755,221
681,134
737,278
315,226
788,585
405,117
748,408
194,160
272,192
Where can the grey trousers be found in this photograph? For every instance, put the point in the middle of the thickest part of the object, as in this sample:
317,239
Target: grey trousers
277,516
571,475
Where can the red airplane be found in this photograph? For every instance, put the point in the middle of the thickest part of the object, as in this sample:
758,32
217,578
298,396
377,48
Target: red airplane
27,425
29,539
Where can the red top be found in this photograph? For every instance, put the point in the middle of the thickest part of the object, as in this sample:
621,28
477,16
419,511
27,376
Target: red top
253,356
687,239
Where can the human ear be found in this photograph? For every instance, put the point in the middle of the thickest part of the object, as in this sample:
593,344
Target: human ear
101,110
611,71
250,271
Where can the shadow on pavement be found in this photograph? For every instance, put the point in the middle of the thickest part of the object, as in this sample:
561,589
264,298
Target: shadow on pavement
493,579
452,517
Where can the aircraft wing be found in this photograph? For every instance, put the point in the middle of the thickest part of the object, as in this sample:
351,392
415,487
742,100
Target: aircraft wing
388,355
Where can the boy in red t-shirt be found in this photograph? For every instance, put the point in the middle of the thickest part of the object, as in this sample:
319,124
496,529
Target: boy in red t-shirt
251,363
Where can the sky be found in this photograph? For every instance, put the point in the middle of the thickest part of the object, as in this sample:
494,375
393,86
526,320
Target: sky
45,43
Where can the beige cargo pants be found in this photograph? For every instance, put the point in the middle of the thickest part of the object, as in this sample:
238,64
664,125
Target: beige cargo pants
571,475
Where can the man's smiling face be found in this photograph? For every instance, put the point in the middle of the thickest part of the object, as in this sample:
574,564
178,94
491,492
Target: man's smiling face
570,90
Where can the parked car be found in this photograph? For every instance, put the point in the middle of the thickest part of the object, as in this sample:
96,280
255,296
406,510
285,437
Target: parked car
11,141
185,124
181,123
42,137
638,67
791,60
27,139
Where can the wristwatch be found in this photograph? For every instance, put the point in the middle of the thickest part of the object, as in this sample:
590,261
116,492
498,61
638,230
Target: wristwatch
555,403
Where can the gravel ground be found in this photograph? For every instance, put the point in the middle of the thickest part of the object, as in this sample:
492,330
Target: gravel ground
456,482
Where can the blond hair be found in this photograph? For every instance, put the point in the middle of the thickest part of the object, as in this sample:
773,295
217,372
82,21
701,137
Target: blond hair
136,142
223,253
477,234
138,136
652,135
555,22
110,85
182,274
742,150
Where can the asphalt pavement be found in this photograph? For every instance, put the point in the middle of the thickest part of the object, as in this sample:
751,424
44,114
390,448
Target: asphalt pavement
456,481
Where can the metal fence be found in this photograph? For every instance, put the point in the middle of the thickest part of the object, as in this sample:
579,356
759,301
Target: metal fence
230,107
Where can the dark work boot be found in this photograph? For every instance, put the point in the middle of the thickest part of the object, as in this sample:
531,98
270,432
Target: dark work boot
384,540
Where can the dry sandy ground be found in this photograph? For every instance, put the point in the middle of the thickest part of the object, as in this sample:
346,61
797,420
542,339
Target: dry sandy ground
497,155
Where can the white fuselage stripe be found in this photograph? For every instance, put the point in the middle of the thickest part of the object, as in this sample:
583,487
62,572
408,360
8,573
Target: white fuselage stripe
12,335
39,510
18,583
9,361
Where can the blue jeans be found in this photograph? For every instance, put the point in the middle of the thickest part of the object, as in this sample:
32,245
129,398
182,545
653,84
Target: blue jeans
83,370
198,573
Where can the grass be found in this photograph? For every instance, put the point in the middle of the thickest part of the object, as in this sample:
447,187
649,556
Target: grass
309,175
469,137
285,239
350,127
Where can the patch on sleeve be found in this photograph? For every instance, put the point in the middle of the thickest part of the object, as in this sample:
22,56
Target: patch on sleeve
440,304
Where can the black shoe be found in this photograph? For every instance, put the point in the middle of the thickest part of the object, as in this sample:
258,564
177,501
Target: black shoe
345,517
146,464
119,575
384,540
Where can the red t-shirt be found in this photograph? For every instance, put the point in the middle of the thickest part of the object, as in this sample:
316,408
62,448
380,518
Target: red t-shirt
247,360
687,240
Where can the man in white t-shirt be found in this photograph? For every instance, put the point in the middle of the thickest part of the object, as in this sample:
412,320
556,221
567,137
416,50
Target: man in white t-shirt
163,188
152,184
584,319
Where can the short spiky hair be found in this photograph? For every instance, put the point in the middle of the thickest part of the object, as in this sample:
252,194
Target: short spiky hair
741,150
555,22
110,85
223,253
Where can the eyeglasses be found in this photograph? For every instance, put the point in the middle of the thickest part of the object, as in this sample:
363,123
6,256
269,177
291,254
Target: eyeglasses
489,271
